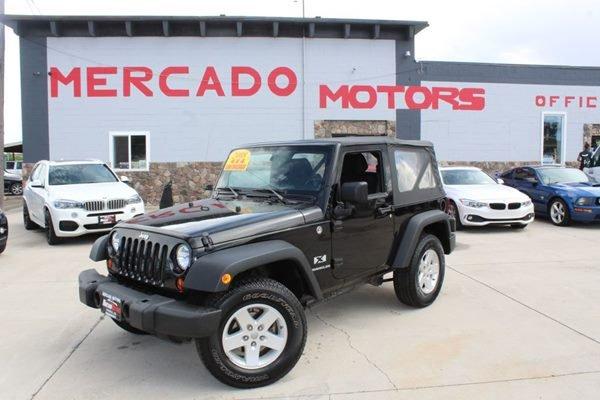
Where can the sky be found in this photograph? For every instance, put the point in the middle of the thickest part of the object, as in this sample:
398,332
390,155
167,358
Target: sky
556,32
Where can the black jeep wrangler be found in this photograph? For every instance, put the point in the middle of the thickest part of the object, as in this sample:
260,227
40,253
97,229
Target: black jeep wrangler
289,224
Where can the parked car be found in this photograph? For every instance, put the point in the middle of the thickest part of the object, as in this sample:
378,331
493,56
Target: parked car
14,167
3,231
72,198
476,199
13,184
563,194
289,224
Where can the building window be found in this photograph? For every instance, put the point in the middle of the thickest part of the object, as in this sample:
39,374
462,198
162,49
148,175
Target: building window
553,138
130,150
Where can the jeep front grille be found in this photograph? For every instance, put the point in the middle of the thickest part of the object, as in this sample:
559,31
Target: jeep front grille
142,260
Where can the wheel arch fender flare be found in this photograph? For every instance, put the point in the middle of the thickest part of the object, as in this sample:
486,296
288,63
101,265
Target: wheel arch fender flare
99,251
438,221
206,272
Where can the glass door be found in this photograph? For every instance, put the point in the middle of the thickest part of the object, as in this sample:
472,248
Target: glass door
553,138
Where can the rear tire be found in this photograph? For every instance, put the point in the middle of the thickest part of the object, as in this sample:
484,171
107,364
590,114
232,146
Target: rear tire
419,284
51,237
239,353
16,189
125,326
27,222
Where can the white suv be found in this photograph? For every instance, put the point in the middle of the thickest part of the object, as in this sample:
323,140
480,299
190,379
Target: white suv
72,198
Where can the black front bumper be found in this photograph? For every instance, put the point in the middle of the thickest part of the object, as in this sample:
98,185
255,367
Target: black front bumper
152,313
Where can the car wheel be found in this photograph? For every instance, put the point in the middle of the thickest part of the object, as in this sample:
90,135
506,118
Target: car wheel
51,237
16,189
125,326
518,226
27,222
419,284
559,213
261,335
452,210
2,248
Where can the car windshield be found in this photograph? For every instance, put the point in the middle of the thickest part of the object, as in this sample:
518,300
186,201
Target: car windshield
74,174
288,169
562,175
466,177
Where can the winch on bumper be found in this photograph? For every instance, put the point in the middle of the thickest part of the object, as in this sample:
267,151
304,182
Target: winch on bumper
152,313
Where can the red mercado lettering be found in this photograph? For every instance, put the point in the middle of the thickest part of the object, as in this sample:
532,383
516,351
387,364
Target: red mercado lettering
568,101
173,81
415,97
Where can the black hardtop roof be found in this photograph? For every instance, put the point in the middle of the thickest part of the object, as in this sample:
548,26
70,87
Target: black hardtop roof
346,141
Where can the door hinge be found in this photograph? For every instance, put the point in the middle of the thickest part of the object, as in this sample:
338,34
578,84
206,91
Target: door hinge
337,262
338,225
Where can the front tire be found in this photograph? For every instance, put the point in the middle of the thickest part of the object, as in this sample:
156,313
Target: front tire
51,237
452,210
420,283
559,213
261,335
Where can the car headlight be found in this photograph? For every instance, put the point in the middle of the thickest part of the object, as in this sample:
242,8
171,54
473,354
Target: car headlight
115,241
67,204
183,256
134,199
473,203
526,203
585,201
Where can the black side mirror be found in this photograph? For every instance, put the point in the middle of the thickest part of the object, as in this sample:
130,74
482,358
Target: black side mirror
355,193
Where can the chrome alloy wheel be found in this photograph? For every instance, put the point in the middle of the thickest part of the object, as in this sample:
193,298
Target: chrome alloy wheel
254,336
557,212
429,271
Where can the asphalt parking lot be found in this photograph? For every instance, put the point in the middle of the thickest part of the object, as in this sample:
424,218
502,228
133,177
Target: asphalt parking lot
519,317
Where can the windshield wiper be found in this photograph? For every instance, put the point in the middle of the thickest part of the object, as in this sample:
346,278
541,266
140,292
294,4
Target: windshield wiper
231,190
276,193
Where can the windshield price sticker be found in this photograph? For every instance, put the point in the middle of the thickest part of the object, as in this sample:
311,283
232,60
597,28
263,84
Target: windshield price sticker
238,161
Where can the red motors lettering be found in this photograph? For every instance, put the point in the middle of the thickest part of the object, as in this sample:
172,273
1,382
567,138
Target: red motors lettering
415,97
566,101
173,81
246,81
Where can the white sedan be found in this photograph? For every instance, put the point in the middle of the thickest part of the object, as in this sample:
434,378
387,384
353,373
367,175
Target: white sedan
476,199
72,198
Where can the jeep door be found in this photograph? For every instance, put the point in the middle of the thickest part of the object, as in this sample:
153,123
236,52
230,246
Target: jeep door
362,240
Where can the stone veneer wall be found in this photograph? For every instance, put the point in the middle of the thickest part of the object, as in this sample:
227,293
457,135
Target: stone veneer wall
188,179
330,128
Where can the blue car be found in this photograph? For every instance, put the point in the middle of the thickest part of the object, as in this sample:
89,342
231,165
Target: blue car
562,194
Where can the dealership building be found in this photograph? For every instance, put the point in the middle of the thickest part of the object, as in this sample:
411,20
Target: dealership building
166,98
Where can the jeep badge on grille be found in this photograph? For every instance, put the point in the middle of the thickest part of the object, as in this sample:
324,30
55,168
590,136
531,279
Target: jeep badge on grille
144,236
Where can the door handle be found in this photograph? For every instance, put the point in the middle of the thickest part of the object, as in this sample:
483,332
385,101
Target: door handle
384,210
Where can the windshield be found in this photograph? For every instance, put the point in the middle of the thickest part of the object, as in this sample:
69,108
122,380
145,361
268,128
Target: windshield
562,175
466,177
290,169
74,174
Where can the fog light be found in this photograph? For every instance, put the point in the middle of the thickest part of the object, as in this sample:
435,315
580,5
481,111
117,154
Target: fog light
470,218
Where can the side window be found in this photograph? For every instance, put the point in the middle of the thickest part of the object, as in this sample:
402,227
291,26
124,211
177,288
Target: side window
415,169
35,173
507,175
364,167
522,174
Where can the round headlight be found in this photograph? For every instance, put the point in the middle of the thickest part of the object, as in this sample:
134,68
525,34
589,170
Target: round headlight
183,256
115,241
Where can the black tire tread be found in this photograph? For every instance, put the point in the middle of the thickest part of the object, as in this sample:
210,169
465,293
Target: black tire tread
217,299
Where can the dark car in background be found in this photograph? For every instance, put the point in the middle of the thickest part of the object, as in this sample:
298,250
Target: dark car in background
13,183
560,193
3,231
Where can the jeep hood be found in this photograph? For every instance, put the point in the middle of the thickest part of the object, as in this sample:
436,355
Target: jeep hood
227,220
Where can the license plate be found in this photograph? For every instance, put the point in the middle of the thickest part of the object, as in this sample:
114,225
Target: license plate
107,219
112,306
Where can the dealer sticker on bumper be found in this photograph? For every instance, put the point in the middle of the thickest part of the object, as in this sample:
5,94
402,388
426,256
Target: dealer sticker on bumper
112,306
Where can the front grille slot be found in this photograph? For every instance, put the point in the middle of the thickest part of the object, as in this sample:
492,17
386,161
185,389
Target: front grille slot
514,206
497,206
94,205
116,204
142,260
